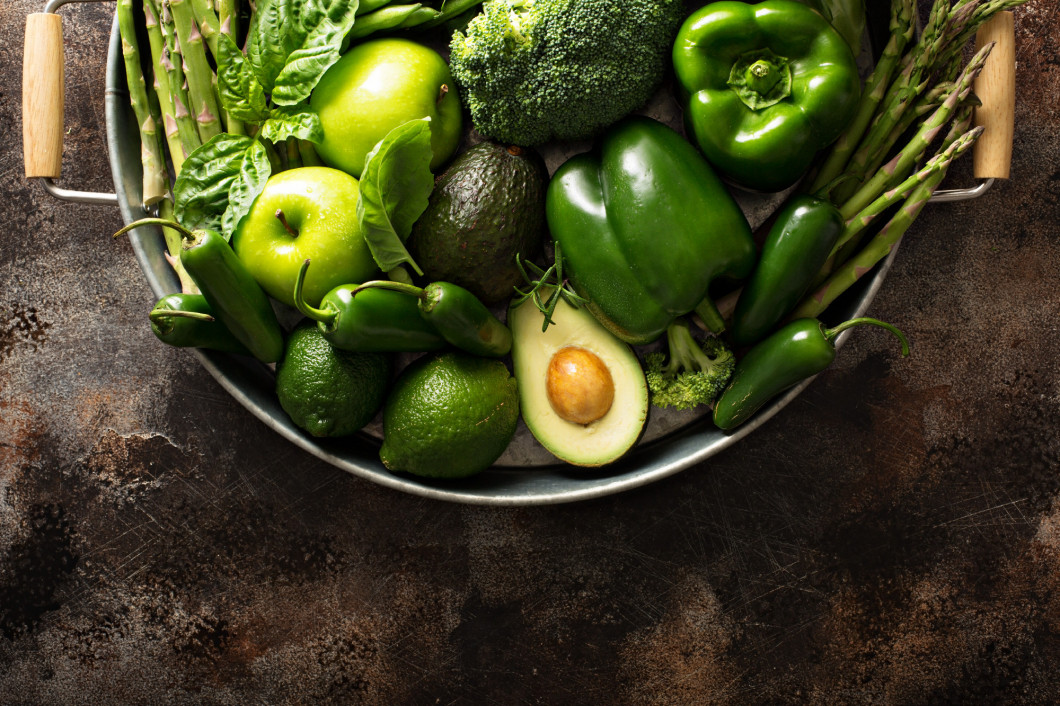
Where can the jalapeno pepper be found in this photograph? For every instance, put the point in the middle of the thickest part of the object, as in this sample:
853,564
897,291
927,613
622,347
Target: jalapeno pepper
457,314
794,353
236,299
375,321
797,246
187,321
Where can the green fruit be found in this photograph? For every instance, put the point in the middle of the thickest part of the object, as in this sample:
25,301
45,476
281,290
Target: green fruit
582,391
377,86
487,206
327,391
319,209
450,415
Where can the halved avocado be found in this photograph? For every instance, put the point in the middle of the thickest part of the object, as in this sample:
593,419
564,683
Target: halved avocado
582,391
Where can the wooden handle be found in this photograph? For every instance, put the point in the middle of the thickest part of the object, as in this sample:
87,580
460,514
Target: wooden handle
996,88
42,95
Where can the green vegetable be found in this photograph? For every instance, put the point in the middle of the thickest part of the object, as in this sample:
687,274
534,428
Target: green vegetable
646,226
535,70
236,299
800,240
765,88
152,158
375,320
395,187
695,374
790,355
456,314
219,182
187,321
847,16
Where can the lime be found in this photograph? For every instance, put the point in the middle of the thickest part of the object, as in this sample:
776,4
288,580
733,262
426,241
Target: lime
327,391
450,415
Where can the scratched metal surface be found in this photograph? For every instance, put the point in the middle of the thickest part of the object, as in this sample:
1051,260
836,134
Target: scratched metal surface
893,536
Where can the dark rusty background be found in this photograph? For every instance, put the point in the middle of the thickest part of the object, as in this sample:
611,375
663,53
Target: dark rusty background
893,536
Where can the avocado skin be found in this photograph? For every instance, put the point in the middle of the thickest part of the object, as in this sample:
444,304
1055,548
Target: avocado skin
486,207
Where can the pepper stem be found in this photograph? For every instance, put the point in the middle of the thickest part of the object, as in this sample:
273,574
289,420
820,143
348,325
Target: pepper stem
324,316
155,222
831,333
162,314
712,318
391,285
762,76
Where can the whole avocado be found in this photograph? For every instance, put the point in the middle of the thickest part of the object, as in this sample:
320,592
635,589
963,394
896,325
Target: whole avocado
488,206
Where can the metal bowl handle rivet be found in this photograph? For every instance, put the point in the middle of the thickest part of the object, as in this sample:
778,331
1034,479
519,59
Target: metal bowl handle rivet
43,86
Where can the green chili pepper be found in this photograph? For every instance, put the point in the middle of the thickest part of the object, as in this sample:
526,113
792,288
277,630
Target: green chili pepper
187,321
236,299
765,87
797,246
375,321
794,353
457,314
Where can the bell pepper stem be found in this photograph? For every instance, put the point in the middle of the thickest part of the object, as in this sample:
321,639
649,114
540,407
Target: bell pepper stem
324,316
162,314
833,332
710,315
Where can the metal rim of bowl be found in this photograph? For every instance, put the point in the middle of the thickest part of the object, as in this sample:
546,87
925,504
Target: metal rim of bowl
251,383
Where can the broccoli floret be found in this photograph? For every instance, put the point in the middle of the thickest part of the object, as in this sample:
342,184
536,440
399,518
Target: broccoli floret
695,374
535,70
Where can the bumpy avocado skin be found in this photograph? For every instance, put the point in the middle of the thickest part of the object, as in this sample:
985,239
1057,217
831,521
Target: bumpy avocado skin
487,206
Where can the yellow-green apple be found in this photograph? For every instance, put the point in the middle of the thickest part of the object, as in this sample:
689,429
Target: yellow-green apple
305,213
377,86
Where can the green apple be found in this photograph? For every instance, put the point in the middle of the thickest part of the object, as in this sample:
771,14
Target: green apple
305,213
377,86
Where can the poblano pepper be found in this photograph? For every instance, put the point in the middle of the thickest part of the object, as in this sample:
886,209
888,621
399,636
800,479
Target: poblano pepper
645,227
765,87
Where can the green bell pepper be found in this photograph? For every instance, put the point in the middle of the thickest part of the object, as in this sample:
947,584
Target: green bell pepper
765,87
645,226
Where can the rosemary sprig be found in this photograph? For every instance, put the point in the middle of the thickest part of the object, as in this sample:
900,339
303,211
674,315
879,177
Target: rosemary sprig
550,280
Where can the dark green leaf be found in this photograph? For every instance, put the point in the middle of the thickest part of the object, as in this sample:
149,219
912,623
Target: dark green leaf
253,173
242,95
274,32
298,122
200,194
395,185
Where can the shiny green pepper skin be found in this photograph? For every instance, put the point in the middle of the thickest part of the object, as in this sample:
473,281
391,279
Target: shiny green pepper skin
645,227
765,87
376,321
464,321
170,325
794,353
798,244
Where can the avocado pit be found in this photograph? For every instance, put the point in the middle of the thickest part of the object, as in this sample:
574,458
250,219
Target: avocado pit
579,385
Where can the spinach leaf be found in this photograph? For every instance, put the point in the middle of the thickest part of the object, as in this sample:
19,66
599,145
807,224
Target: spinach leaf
254,171
395,185
200,194
297,122
241,93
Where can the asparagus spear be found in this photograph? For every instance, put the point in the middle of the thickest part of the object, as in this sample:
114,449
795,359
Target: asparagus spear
228,12
197,69
209,23
897,168
181,134
173,65
887,239
151,155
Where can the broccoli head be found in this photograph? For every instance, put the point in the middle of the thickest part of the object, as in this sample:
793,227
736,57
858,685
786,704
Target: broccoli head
695,374
531,71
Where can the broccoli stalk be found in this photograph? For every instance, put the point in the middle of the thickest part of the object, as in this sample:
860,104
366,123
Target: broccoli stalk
695,374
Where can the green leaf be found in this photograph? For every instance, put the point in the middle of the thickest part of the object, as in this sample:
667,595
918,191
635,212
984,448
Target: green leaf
395,185
297,122
241,93
324,23
200,194
254,171
274,32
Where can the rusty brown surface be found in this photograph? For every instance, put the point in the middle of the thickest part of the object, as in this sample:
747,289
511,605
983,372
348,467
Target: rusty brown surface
892,537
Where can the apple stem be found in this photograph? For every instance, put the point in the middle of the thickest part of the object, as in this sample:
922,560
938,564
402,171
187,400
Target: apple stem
442,92
286,225
324,316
